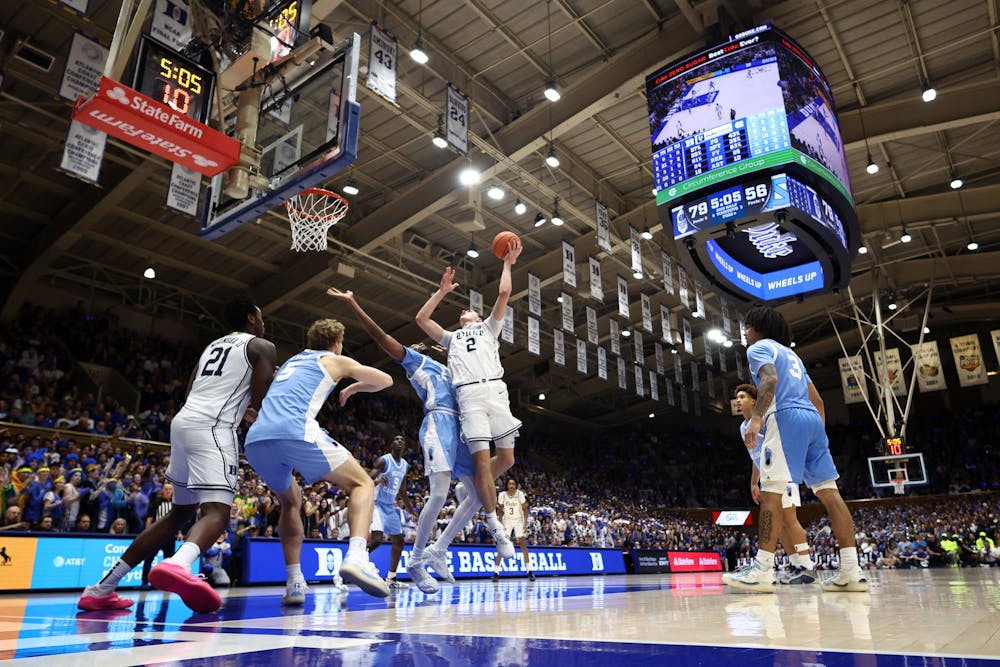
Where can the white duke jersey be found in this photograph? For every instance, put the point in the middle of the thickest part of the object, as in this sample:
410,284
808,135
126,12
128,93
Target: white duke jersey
395,472
512,505
474,352
298,392
221,389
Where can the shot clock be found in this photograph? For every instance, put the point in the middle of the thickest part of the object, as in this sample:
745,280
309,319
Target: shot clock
892,446
169,78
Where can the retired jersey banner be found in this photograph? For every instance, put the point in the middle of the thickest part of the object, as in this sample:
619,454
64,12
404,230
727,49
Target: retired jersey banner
603,226
891,371
623,299
640,353
688,341
640,381
678,369
616,340
739,366
596,286
567,311
684,401
382,65
722,360
581,356
669,386
476,301
592,336
969,360
667,333
654,387
635,249
699,301
647,312
622,382
668,275
658,354
534,295
695,380
743,335
84,67
602,363
852,379
682,286
457,119
710,381
534,346
507,332
709,361
727,324
558,343
569,263
927,362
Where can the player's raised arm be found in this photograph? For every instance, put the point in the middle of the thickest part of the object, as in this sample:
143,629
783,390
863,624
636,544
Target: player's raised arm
389,345
506,286
423,319
369,380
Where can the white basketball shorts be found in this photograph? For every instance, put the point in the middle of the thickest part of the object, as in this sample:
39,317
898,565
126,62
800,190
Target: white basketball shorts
204,462
484,413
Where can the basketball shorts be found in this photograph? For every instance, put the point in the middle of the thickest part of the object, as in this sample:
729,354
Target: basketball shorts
204,462
444,451
485,414
385,520
513,529
795,449
274,459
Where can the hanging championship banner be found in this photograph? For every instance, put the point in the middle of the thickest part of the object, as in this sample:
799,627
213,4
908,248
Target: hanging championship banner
581,356
616,341
670,392
172,23
710,381
635,249
623,299
709,361
184,190
507,332
891,370
697,405
596,286
658,354
678,369
640,381
602,363
603,227
968,360
668,276
569,263
695,380
743,335
534,346
852,379
722,360
456,119
654,387
684,400
682,286
647,312
534,295
559,351
567,311
78,6
476,301
622,383
382,63
688,341
592,336
84,67
699,301
84,152
640,350
739,367
726,322
667,333
995,335
927,362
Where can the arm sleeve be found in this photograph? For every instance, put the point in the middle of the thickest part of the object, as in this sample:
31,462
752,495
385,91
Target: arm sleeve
760,354
494,325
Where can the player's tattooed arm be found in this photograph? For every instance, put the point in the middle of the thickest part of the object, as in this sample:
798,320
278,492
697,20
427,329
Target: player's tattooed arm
768,375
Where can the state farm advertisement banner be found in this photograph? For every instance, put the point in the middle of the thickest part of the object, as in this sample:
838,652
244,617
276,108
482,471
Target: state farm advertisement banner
134,118
694,561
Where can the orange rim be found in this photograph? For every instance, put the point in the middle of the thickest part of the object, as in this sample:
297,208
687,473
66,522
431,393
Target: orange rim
291,207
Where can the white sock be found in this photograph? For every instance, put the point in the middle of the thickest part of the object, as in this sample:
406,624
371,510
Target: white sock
392,574
765,559
186,555
295,573
492,521
357,548
110,581
793,560
849,558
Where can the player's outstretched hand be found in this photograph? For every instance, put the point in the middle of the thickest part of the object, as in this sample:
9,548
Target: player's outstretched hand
514,250
345,394
340,296
250,416
447,281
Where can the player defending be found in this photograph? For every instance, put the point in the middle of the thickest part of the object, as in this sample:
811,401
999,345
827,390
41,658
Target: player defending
445,456
227,385
795,447
483,404
389,474
286,436
513,508
803,570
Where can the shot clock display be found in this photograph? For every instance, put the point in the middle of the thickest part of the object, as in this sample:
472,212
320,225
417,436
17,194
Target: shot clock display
892,446
750,169
169,78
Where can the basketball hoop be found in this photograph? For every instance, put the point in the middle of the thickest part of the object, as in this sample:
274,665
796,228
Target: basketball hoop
898,486
310,214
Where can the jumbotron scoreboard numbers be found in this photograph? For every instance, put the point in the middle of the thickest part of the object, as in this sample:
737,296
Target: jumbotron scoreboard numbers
749,168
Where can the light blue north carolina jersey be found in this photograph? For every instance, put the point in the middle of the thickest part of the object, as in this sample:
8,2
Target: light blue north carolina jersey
793,381
431,380
295,397
396,472
755,452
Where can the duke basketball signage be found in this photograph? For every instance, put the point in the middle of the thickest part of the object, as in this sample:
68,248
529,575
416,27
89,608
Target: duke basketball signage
136,119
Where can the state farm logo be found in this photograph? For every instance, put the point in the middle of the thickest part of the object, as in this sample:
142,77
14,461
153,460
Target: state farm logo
119,95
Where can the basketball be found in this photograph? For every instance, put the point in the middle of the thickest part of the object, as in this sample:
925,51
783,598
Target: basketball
501,243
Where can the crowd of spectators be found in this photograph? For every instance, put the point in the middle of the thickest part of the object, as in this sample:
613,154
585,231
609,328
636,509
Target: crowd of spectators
628,488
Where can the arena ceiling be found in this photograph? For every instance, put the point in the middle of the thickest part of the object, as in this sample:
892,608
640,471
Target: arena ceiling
401,229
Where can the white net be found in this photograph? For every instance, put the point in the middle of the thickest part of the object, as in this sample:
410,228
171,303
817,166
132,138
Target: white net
311,213
899,487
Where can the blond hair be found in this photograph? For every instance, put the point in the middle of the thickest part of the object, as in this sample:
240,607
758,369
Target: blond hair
324,334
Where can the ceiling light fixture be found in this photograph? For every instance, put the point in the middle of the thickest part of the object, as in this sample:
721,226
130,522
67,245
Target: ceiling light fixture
627,333
556,218
727,344
439,139
927,330
469,175
646,234
905,236
417,52
351,188
551,158
862,249
495,192
872,168
928,94
972,245
540,220
541,396
637,275
472,252
551,92
956,182
149,273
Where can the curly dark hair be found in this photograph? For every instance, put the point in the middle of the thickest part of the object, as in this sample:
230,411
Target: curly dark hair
769,323
237,309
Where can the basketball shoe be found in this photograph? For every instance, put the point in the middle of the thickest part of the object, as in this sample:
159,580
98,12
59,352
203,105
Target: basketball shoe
755,579
847,581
